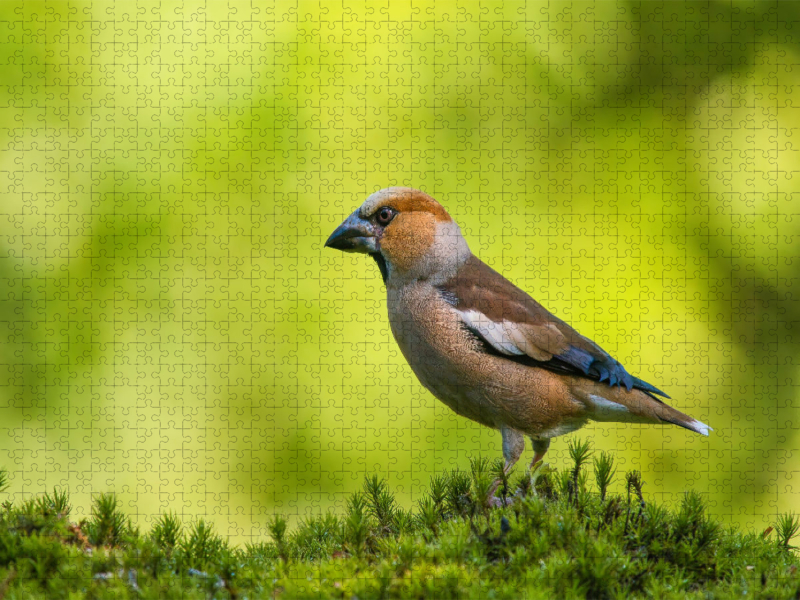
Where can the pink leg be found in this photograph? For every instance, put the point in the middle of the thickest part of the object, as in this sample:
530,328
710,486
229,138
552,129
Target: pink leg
540,447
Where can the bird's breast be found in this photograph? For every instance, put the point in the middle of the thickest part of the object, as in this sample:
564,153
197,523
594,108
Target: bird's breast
439,350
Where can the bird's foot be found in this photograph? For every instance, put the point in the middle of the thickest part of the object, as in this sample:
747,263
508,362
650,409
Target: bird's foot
499,501
496,500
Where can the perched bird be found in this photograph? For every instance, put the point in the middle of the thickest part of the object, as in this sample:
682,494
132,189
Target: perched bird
480,344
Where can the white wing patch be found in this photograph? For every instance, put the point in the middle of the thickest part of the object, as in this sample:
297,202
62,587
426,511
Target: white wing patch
504,337
516,339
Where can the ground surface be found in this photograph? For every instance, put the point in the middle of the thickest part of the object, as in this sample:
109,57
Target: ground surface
560,534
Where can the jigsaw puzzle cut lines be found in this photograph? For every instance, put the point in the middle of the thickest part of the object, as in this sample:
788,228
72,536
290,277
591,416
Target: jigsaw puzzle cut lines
172,329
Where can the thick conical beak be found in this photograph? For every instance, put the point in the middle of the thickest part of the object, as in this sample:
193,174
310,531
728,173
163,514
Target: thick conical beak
354,235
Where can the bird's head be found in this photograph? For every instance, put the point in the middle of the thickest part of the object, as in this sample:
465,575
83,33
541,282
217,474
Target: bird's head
407,232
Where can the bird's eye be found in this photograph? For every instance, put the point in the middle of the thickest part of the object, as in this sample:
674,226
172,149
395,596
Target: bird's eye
385,215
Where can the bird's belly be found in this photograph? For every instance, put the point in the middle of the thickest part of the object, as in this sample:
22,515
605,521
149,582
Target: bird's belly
490,390
461,396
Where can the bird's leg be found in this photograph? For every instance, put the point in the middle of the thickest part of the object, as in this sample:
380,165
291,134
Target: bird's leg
513,445
540,446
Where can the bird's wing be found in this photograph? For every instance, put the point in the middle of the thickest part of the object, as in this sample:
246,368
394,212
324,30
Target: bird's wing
512,324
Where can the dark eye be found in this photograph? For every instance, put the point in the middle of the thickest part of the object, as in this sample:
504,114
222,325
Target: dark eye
385,215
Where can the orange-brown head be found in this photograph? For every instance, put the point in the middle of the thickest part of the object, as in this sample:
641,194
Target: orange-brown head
409,234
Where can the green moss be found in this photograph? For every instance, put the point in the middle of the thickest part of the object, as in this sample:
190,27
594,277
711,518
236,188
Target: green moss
552,535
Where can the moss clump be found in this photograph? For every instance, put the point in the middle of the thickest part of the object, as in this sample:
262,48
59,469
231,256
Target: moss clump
550,535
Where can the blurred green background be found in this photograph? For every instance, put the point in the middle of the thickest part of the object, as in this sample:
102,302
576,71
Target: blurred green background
172,329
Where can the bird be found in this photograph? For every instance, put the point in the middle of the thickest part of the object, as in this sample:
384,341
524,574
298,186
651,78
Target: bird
483,346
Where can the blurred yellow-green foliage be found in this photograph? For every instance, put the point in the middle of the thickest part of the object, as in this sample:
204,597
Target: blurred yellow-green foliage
172,329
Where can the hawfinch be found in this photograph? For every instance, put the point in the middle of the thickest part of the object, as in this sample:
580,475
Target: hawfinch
479,343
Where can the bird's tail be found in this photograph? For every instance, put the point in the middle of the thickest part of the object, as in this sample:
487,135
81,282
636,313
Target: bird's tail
637,406
676,417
